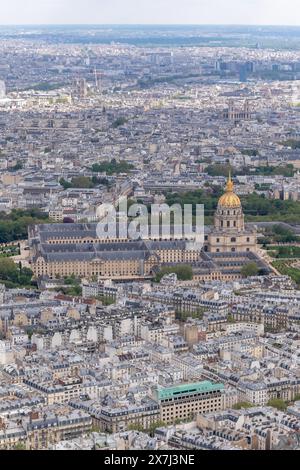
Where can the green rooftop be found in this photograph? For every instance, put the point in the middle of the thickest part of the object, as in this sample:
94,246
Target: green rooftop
188,389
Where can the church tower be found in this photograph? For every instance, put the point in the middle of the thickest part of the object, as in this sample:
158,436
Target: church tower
229,233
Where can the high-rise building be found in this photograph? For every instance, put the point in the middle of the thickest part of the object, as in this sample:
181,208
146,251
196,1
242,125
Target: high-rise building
2,90
81,87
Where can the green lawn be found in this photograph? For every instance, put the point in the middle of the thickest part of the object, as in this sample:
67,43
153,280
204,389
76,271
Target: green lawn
285,268
9,250
282,252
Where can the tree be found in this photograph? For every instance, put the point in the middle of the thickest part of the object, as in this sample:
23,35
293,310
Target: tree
293,143
65,184
277,403
25,276
18,166
8,269
97,181
184,272
14,226
29,332
95,429
119,122
242,404
14,275
286,269
250,269
71,280
112,167
106,301
219,170
250,152
82,182
20,446
156,425
135,427
283,234
182,315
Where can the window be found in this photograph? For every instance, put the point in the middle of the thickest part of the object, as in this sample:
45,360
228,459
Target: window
233,240
228,223
233,250
248,239
218,240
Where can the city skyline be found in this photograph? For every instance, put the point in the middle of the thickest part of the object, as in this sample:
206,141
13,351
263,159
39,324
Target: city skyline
149,228
163,12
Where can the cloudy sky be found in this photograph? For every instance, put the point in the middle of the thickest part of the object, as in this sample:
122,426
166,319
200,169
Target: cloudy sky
283,12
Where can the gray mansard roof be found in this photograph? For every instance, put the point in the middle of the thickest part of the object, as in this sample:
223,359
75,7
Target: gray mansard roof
105,251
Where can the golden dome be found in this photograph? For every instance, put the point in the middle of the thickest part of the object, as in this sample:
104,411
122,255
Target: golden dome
229,199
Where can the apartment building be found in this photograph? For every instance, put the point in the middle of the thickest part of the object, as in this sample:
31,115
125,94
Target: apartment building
184,401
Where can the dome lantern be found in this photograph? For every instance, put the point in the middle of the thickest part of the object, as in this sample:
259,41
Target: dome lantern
229,200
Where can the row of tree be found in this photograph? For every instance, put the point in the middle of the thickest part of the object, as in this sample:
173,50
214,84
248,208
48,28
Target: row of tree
84,182
14,226
112,167
256,207
13,275
219,169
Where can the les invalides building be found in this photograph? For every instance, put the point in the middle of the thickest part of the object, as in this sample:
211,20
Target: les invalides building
59,250
229,233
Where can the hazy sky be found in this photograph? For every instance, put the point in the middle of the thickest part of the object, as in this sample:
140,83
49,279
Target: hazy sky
283,12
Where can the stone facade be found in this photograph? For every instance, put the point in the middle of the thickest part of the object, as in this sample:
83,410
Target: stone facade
67,249
230,233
